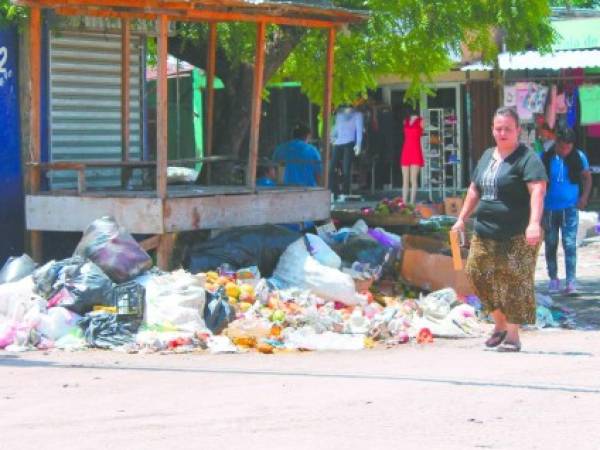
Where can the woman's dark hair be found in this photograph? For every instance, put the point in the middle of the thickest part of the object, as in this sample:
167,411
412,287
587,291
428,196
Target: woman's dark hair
300,131
507,111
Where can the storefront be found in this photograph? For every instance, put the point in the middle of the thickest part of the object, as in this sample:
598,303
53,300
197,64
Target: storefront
557,90
448,144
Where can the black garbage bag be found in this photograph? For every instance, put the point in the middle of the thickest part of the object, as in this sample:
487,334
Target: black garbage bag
46,278
217,311
260,246
75,284
362,248
104,330
16,268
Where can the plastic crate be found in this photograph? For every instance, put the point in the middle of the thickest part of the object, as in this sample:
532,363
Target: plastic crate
128,299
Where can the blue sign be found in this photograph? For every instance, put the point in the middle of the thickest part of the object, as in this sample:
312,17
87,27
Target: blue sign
11,181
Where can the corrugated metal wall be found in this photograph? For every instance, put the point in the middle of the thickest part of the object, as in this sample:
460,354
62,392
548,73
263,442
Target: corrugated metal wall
85,103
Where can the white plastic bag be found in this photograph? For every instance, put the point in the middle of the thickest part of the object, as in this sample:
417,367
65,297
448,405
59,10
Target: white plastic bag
323,252
587,225
17,298
437,305
175,300
361,227
178,175
57,323
306,338
296,268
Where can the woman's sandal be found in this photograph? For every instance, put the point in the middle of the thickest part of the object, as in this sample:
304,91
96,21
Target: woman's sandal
495,339
509,347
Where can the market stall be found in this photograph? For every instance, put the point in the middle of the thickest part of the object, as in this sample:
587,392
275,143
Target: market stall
163,210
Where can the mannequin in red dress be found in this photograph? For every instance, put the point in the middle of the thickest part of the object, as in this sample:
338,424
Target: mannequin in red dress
411,159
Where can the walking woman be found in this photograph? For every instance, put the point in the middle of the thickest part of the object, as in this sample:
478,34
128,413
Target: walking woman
506,195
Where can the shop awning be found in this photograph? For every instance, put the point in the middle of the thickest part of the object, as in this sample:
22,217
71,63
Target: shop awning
576,46
552,61
533,60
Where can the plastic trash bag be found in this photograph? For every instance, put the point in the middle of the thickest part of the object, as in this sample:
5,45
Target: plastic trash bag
104,330
243,247
175,301
322,252
297,268
113,249
46,278
58,322
385,238
181,175
362,248
74,284
17,298
217,311
8,331
438,304
544,318
17,268
306,338
588,220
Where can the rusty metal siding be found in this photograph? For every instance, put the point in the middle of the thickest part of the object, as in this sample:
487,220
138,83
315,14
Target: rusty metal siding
85,103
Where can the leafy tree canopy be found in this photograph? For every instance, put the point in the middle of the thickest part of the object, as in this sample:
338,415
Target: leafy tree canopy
10,13
409,38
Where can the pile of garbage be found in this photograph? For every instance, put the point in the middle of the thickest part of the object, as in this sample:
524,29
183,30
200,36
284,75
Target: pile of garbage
260,288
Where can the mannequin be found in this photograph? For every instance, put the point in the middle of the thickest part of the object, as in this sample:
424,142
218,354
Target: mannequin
347,141
411,159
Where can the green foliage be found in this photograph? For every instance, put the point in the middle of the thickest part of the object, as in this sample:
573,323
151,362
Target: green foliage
11,14
408,38
413,39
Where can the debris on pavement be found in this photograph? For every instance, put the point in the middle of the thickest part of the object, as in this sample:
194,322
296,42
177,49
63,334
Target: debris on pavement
336,291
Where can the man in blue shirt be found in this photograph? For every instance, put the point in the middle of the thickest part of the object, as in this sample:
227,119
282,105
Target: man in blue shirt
302,161
568,192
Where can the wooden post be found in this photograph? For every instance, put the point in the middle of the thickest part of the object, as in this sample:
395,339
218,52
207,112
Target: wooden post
327,99
164,251
125,97
259,70
35,74
210,93
161,109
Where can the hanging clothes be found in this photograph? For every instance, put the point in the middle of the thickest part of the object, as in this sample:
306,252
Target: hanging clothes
536,98
412,152
552,107
572,101
589,96
381,133
521,102
593,131
510,95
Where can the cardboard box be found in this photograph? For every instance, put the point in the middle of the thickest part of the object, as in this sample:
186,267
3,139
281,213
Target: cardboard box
452,206
426,210
424,266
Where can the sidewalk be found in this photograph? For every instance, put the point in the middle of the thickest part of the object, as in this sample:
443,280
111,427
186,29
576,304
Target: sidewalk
587,302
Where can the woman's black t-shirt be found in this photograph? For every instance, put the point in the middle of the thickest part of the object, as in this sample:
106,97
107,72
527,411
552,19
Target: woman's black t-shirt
504,202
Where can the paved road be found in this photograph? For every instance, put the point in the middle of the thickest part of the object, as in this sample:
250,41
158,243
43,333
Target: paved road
446,395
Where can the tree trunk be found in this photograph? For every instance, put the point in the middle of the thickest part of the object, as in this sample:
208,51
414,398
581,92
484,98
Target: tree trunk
232,110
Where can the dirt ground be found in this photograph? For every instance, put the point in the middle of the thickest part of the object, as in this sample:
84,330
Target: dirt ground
451,394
